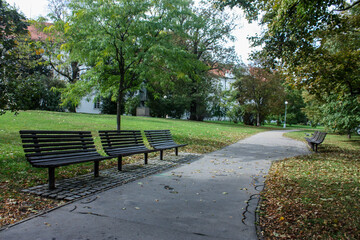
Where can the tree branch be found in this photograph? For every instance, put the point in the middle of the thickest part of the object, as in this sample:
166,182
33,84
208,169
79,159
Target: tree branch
348,7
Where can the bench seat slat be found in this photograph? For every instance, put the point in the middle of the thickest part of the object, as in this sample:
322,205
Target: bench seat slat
64,162
122,141
62,155
66,158
43,140
58,148
56,144
64,137
52,132
59,153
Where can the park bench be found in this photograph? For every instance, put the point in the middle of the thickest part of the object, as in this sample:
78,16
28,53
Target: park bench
51,149
162,140
124,143
316,140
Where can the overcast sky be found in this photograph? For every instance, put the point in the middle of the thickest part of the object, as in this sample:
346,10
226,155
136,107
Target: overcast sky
35,8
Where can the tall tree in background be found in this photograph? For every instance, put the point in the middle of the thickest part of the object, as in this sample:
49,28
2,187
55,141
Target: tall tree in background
208,31
12,27
53,29
198,52
259,91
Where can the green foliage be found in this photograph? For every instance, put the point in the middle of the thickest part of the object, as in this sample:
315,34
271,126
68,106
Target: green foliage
118,39
259,92
13,26
36,93
185,71
132,102
341,115
235,114
108,106
295,105
316,43
312,108
173,106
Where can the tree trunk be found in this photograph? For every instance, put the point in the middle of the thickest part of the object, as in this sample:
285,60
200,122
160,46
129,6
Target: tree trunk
349,135
118,109
193,106
258,119
118,114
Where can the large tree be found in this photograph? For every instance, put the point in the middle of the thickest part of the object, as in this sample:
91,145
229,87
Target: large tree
115,39
52,31
208,30
197,54
259,91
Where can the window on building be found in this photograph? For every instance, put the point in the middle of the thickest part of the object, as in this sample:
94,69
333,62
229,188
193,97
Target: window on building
97,104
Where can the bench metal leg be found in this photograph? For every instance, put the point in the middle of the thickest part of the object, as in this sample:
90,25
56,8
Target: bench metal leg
176,151
161,154
96,168
316,146
51,178
120,163
146,158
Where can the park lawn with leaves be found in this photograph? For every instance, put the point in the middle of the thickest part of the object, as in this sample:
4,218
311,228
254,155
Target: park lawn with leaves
314,196
17,174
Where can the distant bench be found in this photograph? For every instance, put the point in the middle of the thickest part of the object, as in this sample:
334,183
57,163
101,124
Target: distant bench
316,139
124,143
51,149
162,140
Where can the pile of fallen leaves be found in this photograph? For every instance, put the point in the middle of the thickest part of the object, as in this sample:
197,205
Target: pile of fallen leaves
15,206
313,197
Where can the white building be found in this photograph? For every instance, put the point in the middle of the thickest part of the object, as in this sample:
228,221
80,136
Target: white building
89,105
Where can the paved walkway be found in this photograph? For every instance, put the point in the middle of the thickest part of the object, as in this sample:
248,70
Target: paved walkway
214,197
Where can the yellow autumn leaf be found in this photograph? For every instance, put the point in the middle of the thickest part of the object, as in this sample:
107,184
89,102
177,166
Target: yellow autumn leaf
59,56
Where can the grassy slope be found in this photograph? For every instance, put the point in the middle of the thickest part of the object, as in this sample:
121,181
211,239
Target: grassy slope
17,174
315,196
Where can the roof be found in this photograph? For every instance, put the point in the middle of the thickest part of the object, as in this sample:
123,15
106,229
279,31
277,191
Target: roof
36,34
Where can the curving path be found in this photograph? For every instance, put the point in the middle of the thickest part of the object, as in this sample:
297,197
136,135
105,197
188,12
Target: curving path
212,198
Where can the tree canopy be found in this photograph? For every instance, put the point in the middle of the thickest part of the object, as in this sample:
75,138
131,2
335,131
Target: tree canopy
259,91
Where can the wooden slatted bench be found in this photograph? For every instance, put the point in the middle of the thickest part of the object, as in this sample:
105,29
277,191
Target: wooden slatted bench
162,140
124,143
51,149
316,140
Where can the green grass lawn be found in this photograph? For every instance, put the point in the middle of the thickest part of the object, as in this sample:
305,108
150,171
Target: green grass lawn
16,173
315,196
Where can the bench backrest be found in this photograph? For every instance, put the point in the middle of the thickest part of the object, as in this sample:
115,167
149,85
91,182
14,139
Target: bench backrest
315,135
321,137
52,146
115,142
158,138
